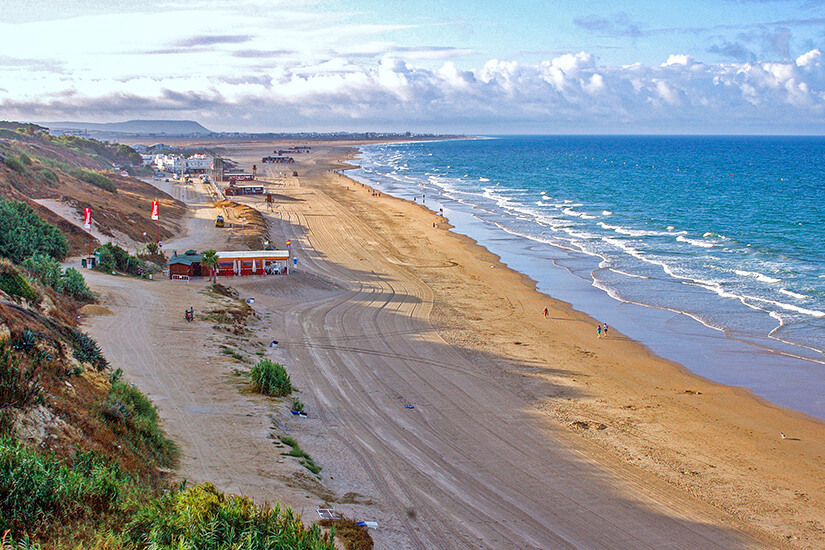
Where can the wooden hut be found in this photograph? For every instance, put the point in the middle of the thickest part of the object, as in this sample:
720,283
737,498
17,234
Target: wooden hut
185,265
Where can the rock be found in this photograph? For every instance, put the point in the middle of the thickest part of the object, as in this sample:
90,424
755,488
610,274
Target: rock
35,426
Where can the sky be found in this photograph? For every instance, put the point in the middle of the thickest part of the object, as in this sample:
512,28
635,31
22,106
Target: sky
474,67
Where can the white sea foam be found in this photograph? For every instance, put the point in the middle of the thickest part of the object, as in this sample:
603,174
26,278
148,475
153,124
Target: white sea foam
483,179
607,213
626,274
756,275
792,294
630,232
694,242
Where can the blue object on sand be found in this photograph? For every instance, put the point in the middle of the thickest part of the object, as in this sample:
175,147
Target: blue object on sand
410,406
295,412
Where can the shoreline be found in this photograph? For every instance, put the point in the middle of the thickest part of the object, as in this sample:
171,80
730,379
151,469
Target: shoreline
755,363
640,380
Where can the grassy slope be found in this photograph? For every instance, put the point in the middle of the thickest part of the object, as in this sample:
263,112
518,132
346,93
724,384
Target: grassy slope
48,176
84,462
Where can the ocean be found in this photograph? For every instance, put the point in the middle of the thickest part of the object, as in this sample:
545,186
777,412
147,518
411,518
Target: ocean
706,249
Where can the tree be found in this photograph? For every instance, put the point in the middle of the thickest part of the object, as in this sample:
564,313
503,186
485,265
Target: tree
209,259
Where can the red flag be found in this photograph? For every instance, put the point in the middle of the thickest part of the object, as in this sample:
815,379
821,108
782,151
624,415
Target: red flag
154,210
87,218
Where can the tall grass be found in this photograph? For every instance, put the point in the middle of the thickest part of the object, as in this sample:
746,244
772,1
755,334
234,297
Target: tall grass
204,518
38,492
270,378
302,456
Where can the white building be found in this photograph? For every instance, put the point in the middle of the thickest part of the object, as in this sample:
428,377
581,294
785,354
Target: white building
169,163
199,163
178,164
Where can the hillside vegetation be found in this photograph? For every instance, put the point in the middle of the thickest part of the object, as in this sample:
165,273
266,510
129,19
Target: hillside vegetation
83,173
84,460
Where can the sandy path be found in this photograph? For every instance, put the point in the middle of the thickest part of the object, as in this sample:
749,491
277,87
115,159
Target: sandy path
481,461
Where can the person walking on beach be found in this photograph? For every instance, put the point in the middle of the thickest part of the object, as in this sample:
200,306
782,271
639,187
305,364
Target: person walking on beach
599,330
605,330
545,312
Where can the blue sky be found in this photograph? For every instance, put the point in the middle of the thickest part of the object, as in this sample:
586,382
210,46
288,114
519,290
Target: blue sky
726,66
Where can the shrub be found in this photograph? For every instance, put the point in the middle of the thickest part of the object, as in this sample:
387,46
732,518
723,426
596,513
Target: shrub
134,412
14,163
95,178
38,492
25,159
115,258
23,234
75,285
352,535
270,378
86,350
14,284
48,271
45,269
202,517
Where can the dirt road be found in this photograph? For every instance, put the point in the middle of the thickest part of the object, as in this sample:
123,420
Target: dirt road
411,431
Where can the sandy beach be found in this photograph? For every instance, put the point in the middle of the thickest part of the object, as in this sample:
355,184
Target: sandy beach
442,403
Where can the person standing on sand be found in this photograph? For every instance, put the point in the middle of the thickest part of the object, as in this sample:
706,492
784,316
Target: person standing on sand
605,330
545,312
599,330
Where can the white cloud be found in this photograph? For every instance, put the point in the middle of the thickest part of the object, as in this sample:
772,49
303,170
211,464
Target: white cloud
289,68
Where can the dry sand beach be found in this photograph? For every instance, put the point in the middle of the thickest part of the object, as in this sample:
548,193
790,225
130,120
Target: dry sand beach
525,431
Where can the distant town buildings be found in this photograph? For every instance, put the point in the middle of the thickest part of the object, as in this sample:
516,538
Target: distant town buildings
197,163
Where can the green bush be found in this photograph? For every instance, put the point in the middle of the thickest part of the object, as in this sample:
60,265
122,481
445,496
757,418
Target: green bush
75,285
204,518
23,234
114,258
14,284
17,287
38,492
95,178
25,159
45,269
126,406
49,272
270,378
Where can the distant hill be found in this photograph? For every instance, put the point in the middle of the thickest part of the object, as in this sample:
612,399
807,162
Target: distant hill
135,127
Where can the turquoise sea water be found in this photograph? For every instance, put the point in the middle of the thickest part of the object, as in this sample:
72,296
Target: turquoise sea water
708,249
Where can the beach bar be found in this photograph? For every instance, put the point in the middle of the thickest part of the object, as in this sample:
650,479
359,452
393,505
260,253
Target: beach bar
253,262
184,266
